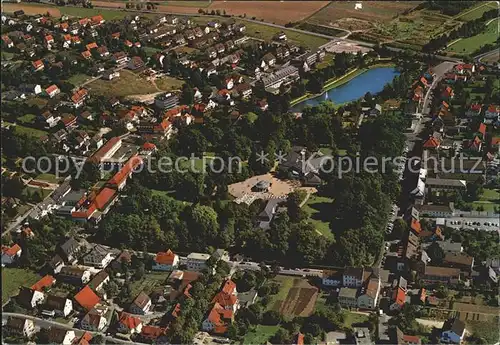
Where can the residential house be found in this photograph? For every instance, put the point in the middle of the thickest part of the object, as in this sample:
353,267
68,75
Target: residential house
99,281
87,298
99,257
269,59
141,304
120,58
166,101
21,327
398,299
474,110
93,321
129,324
165,261
79,97
38,65
44,283
453,331
331,278
243,90
74,275
153,333
103,51
57,306
61,336
135,63
55,264
347,297
52,91
217,320
227,297
440,275
197,261
70,250
462,261
353,277
30,298
11,254
125,258
369,295
438,184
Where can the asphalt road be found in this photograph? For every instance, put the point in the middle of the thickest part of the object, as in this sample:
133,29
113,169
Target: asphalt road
79,332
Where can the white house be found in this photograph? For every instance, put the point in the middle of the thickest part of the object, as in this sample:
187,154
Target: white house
453,331
99,257
20,326
30,298
52,91
61,336
353,277
165,261
59,306
94,322
197,261
10,254
129,324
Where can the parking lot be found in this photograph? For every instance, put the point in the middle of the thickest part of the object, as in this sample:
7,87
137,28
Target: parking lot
473,223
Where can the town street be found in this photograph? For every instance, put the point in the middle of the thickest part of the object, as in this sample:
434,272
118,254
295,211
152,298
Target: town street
42,323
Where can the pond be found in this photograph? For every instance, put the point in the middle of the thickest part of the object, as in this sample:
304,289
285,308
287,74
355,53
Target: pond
372,81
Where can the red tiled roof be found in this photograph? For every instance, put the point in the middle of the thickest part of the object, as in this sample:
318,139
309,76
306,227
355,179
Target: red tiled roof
11,251
229,287
86,54
49,38
177,309
415,225
46,281
423,294
152,332
67,37
51,89
128,43
149,146
399,296
97,19
126,170
411,339
131,322
75,39
79,95
431,143
495,141
225,299
299,339
167,257
476,107
216,315
115,35
104,197
482,129
175,111
91,46
84,21
37,63
64,25
87,298
494,108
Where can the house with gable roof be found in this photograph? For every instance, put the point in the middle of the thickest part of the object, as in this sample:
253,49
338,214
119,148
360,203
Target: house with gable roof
453,331
227,297
99,257
141,304
87,298
10,254
217,320
93,321
165,261
129,324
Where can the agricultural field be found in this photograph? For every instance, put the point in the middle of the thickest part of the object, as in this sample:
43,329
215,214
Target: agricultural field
31,9
296,297
371,12
13,278
468,45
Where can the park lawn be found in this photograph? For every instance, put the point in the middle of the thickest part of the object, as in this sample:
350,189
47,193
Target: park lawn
489,194
486,205
127,84
38,133
354,318
286,283
148,283
317,209
471,44
78,79
168,83
13,278
51,178
477,12
27,119
260,334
